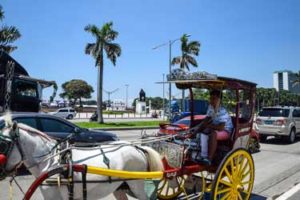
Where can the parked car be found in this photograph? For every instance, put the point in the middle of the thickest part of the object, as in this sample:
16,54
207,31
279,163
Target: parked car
278,121
180,125
66,113
60,129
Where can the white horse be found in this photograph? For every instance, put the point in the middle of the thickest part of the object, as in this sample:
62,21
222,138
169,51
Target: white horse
31,147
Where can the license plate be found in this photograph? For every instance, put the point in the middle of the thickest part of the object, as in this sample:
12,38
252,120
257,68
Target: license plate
268,122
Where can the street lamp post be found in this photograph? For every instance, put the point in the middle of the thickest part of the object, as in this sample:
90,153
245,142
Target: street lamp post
163,97
170,43
126,96
109,93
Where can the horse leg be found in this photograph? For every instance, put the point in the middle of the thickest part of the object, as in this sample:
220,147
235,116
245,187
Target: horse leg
137,187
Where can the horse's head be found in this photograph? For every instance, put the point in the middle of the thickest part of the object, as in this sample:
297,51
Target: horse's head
10,155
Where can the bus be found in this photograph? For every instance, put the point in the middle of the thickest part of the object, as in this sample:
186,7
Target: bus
18,91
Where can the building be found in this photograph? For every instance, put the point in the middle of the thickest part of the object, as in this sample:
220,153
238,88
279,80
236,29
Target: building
283,80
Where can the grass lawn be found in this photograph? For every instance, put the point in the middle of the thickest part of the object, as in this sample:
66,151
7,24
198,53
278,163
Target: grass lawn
128,124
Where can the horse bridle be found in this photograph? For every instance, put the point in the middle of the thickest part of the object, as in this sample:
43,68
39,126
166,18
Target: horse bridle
6,146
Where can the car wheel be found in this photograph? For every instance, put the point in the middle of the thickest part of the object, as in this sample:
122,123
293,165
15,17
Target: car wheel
70,117
292,136
262,138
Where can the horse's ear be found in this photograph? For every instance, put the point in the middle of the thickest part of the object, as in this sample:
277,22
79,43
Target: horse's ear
14,130
15,126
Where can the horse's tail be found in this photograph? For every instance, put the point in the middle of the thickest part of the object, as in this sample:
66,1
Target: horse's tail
154,159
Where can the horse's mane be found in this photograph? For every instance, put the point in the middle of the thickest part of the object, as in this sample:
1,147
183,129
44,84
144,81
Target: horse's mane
8,119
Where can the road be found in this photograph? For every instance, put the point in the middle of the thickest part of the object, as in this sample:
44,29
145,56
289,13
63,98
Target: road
277,169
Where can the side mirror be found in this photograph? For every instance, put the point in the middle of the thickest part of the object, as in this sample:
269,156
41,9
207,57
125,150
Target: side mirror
77,130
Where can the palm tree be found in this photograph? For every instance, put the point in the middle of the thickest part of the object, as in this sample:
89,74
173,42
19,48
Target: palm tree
104,42
8,34
188,50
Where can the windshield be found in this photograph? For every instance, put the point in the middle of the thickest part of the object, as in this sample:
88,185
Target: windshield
274,112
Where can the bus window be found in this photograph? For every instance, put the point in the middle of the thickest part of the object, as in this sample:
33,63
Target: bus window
26,89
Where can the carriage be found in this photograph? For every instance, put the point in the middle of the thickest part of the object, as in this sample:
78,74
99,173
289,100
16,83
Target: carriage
231,175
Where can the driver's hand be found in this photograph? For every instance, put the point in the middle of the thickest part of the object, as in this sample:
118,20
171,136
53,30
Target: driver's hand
192,131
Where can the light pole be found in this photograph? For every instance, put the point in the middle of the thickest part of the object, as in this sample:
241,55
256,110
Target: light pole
109,93
126,96
170,43
163,97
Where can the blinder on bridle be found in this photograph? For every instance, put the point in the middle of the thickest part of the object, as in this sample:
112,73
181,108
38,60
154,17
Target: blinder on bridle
6,146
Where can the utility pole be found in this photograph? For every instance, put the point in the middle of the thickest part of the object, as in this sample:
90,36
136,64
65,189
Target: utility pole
170,43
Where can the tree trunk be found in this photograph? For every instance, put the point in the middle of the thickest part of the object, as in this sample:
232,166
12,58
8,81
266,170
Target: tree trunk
99,95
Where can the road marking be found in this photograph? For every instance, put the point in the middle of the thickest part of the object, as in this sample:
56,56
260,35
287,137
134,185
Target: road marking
289,193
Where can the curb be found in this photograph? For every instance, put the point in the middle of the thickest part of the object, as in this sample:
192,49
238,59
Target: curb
125,128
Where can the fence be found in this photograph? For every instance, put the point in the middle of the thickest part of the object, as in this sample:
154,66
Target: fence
87,115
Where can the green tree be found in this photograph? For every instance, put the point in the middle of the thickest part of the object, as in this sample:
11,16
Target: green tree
188,51
8,35
104,42
76,90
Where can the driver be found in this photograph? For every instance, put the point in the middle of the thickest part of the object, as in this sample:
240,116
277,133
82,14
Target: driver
219,128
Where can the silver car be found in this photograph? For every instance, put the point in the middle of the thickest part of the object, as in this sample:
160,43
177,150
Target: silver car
66,113
278,121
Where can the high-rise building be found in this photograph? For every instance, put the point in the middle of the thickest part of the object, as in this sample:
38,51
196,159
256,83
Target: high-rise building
283,80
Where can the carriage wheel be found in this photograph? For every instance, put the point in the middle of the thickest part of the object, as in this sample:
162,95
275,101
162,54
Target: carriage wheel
235,176
170,188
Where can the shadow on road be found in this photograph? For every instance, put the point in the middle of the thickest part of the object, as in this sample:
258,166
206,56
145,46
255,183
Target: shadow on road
279,140
257,197
22,171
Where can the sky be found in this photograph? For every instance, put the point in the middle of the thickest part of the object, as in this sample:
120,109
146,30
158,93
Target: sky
244,39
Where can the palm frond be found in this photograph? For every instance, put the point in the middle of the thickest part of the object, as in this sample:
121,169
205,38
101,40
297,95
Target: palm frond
89,48
1,13
176,60
94,30
191,60
8,48
9,34
113,51
194,48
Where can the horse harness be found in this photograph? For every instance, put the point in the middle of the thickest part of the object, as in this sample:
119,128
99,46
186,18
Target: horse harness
66,158
6,146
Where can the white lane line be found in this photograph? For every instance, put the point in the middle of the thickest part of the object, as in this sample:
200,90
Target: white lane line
289,193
